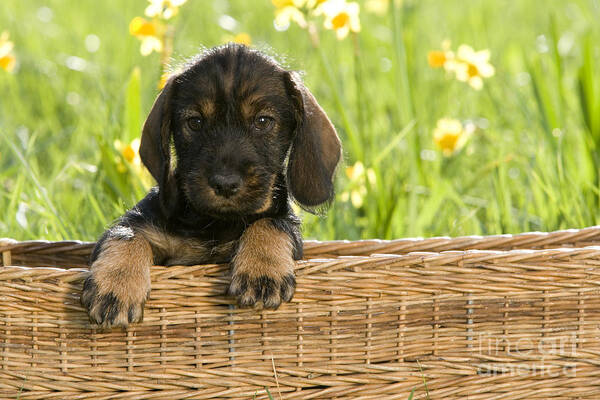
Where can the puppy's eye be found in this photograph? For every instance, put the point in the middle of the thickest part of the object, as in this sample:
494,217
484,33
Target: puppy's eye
263,122
194,123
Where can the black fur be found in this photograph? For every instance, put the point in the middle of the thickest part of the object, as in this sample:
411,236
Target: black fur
232,115
225,77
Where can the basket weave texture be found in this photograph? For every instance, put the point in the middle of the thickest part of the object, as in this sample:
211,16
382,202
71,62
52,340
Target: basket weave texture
497,317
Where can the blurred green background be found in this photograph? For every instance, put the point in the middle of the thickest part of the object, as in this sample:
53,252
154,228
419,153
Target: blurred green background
531,163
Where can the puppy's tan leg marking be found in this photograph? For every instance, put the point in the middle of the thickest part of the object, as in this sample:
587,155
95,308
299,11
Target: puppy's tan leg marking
263,267
118,286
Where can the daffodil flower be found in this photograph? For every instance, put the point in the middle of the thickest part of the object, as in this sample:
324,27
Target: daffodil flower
467,64
8,60
149,32
130,151
298,11
359,176
241,38
441,58
165,9
340,16
287,3
287,11
130,161
450,135
164,77
472,66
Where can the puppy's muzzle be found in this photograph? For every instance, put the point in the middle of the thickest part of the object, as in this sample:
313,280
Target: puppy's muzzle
225,184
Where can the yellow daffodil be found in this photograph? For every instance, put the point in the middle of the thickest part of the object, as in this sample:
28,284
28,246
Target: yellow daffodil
472,66
150,44
299,4
359,176
164,9
130,161
7,58
441,58
436,58
356,171
287,11
149,32
340,16
450,135
241,38
130,151
467,64
163,80
142,27
297,11
285,3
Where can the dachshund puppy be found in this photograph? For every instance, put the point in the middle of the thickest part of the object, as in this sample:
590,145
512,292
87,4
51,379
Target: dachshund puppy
230,141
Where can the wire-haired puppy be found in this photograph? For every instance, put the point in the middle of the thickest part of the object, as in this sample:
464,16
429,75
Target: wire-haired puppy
230,140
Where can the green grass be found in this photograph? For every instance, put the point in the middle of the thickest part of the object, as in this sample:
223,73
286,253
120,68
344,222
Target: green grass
532,164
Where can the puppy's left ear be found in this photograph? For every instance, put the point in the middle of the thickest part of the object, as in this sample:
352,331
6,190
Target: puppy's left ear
316,148
155,146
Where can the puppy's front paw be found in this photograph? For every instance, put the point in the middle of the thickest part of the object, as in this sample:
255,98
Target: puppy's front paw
112,308
271,290
115,292
263,267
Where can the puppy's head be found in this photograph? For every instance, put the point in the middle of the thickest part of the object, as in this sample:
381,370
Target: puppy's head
238,121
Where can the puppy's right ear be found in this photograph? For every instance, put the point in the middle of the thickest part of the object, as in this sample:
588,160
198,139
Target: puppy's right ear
315,150
155,147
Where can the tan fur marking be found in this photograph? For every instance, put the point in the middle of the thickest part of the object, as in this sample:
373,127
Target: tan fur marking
247,107
208,108
264,251
228,80
123,269
269,200
185,251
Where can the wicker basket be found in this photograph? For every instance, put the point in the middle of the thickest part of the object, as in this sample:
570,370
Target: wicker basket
498,322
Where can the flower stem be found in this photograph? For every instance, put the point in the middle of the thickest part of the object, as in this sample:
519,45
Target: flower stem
405,106
337,97
360,98
167,50
406,113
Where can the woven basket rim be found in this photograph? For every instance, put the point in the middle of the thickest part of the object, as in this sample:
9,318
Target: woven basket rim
425,257
76,253
8,242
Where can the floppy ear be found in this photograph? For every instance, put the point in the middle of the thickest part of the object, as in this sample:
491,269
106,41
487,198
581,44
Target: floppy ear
315,150
155,146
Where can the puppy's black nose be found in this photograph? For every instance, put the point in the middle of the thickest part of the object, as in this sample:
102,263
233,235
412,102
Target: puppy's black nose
225,185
